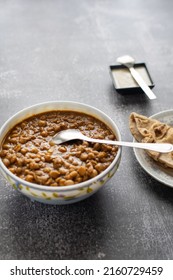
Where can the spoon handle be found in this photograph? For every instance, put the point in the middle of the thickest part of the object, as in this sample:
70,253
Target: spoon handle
141,83
157,147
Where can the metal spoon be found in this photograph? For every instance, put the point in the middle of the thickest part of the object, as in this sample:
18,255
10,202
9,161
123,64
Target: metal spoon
72,134
129,61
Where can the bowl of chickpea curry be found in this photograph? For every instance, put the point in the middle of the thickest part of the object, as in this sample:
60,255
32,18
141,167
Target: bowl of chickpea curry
64,173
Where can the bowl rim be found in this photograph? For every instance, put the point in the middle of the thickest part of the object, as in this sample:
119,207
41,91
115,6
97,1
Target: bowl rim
71,187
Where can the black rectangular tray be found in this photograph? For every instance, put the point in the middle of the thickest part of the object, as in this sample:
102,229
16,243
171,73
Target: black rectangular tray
129,88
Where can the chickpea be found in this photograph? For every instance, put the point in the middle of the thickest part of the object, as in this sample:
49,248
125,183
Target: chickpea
23,151
6,147
31,155
77,153
14,140
57,128
54,174
48,157
83,156
33,165
85,143
54,184
91,156
27,160
18,170
23,140
23,124
62,149
49,182
90,169
14,135
29,178
72,174
41,179
57,162
42,123
20,162
34,150
63,171
75,163
13,158
97,146
94,173
66,164
37,159
69,182
13,169
111,137
99,167
82,170
101,155
78,180
27,171
17,148
44,133
81,148
47,169
90,127
3,153
62,182
63,125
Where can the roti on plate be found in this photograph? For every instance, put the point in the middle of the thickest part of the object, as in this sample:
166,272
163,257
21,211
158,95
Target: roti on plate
149,130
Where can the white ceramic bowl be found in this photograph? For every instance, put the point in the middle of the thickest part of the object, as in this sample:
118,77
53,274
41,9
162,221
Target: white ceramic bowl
63,194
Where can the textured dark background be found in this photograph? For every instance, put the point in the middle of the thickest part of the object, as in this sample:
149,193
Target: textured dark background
61,50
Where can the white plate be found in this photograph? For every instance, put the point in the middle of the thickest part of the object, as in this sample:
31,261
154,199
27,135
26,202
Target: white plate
163,175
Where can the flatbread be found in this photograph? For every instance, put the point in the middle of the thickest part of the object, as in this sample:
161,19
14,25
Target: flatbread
149,130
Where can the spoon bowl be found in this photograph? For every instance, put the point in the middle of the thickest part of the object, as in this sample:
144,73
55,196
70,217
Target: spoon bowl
72,134
126,60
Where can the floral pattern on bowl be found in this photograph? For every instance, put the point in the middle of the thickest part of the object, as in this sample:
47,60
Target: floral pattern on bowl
59,196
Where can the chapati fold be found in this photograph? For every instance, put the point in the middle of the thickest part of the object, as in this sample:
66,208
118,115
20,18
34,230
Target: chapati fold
149,130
